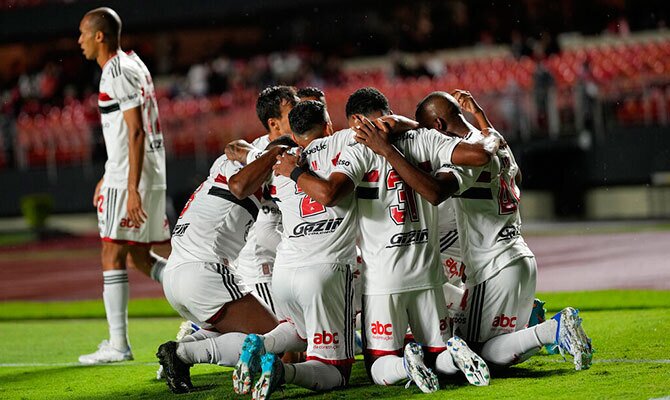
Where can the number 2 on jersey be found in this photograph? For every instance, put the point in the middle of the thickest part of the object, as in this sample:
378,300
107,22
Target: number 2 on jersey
309,206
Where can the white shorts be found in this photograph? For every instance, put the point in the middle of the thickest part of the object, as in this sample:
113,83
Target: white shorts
318,301
263,291
499,305
198,290
387,316
115,225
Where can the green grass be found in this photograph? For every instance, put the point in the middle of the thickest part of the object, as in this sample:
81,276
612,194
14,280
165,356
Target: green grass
626,327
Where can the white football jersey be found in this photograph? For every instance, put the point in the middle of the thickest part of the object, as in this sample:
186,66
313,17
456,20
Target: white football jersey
487,214
399,236
255,262
126,83
214,224
314,234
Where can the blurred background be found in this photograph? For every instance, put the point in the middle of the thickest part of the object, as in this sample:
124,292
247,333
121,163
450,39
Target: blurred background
581,89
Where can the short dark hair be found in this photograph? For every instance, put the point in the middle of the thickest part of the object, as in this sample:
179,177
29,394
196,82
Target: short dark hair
107,21
270,100
311,91
366,101
306,115
283,140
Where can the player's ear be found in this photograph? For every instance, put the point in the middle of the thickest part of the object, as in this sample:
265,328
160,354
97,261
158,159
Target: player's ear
99,36
440,124
273,124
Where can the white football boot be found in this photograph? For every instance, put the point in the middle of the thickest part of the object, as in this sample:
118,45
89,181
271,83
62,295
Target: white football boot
106,354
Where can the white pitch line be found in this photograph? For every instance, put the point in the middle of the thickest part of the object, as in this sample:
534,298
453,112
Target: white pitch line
124,364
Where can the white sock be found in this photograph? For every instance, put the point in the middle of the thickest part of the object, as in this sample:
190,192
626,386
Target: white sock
516,347
115,296
313,375
157,267
200,335
444,363
222,350
388,370
283,338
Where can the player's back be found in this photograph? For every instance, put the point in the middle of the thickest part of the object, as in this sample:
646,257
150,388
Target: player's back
125,84
213,225
313,233
398,228
488,217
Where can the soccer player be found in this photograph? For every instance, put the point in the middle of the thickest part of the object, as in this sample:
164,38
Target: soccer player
130,197
198,281
312,93
499,266
256,260
403,277
312,279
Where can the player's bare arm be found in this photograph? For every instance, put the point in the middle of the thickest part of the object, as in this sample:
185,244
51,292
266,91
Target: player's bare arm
136,135
237,150
328,192
250,178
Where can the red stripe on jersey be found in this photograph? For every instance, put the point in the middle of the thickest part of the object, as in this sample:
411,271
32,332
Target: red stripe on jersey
346,361
315,166
104,97
372,176
334,160
221,179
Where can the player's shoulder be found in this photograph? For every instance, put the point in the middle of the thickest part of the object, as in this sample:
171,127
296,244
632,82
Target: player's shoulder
261,142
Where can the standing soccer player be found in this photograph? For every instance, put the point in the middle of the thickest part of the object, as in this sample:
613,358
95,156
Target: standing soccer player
134,179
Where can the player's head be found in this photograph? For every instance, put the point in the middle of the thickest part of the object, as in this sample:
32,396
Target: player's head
312,93
99,28
368,102
272,107
309,120
438,110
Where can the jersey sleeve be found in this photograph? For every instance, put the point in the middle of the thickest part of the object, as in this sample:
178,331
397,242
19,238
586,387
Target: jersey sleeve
230,168
127,90
444,145
353,162
253,155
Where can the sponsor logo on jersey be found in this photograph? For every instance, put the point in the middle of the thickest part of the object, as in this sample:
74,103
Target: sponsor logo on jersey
410,238
180,229
444,324
377,328
503,321
344,162
453,269
128,223
315,149
508,232
326,337
334,160
316,228
155,144
270,210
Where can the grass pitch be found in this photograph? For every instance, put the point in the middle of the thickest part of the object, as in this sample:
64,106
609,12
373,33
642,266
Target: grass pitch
40,343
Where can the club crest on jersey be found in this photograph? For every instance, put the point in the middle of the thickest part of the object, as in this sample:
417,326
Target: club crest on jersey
410,238
316,228
180,229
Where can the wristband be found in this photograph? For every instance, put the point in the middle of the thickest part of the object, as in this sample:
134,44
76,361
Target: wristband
295,174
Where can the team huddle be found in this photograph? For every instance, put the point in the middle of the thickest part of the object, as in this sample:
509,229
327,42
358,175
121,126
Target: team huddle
405,228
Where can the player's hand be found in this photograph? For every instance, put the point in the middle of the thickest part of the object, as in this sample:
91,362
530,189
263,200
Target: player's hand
466,101
370,135
134,207
96,193
286,162
393,124
237,150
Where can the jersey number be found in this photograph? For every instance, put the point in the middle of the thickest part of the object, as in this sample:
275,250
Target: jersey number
508,201
309,206
190,199
406,207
